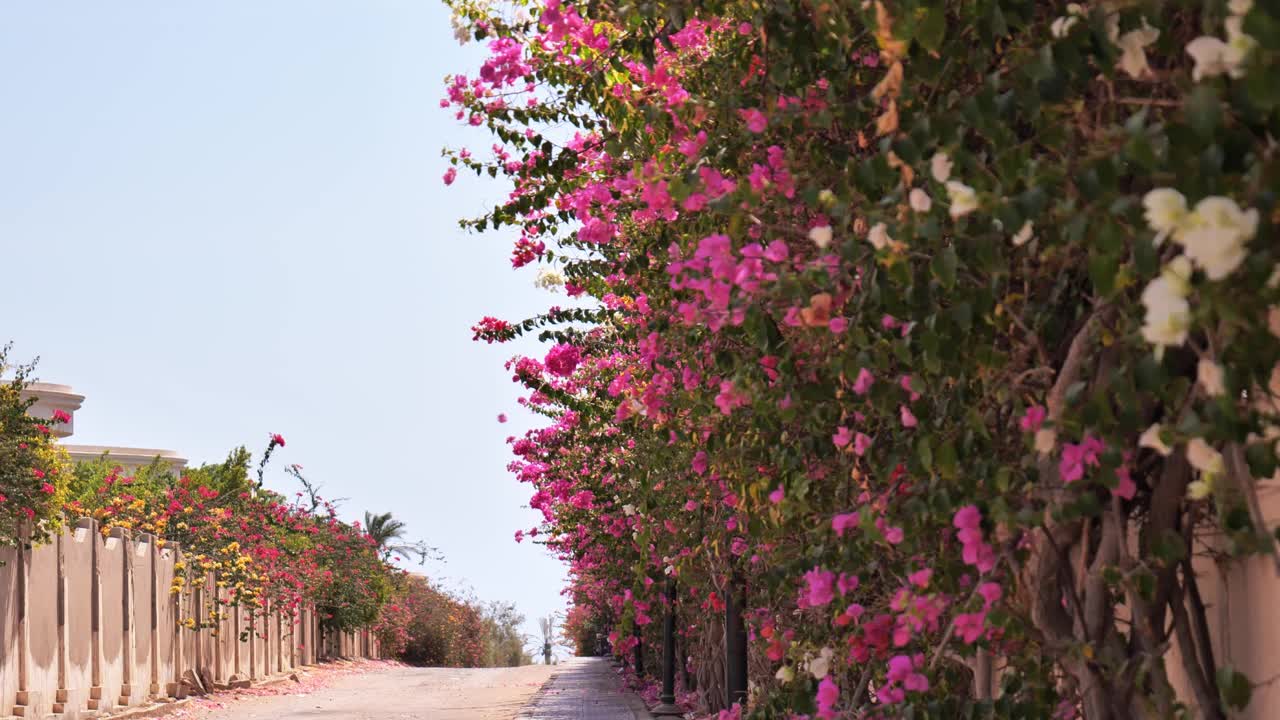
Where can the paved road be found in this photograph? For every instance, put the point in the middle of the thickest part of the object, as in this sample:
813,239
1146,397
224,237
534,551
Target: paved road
579,689
585,689
397,693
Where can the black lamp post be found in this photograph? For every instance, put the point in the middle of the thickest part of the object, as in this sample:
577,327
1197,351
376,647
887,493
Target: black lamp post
735,642
667,700
639,667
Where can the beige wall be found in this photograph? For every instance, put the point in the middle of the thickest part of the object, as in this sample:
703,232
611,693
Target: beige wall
87,622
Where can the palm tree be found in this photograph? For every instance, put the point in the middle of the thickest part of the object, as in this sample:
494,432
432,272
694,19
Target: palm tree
383,529
386,531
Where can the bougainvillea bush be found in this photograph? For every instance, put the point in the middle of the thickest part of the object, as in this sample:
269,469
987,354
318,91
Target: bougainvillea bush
945,331
243,544
31,464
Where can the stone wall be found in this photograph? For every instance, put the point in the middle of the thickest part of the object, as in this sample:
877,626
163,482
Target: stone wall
87,623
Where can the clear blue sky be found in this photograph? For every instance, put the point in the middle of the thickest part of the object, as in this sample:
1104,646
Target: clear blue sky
224,219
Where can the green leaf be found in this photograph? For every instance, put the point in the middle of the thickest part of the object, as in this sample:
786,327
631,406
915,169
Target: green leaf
1169,547
932,28
1234,687
944,267
947,460
1204,110
925,453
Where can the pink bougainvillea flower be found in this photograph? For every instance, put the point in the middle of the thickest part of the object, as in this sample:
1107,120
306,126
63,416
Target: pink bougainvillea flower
838,325
827,697
450,175
862,385
777,495
563,359
861,444
700,462
920,578
1076,457
502,417
908,419
1125,487
755,120
37,472
967,517
847,583
60,416
842,437
893,535
845,521
519,536
991,593
819,587
1033,418
48,488
969,626
905,383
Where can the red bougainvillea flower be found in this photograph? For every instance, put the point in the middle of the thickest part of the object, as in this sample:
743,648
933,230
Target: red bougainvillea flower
277,439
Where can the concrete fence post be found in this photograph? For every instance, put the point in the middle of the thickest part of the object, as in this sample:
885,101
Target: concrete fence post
127,649
154,649
27,700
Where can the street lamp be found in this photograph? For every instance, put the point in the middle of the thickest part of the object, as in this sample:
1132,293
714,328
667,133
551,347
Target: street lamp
667,700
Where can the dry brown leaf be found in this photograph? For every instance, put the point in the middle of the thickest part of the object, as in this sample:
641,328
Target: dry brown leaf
908,172
891,48
887,123
891,84
818,314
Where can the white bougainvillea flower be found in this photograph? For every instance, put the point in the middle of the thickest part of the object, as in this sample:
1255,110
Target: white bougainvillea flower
549,279
1133,53
1239,7
820,666
461,32
785,674
1216,235
1166,211
1210,57
1023,236
940,166
1239,45
1204,458
920,200
878,236
1214,56
1061,27
1168,316
821,236
962,198
1177,272
1209,377
1151,439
